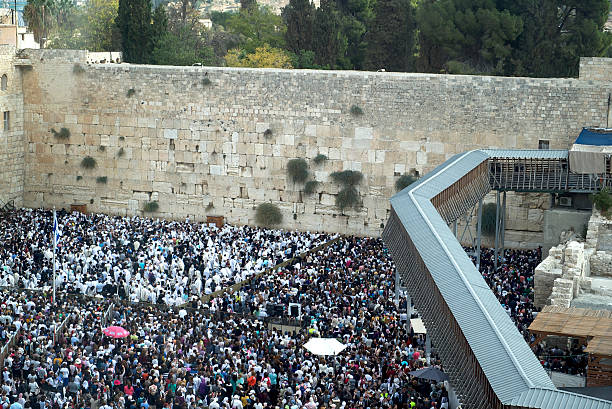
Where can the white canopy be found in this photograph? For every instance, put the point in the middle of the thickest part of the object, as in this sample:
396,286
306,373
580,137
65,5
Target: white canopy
417,326
324,346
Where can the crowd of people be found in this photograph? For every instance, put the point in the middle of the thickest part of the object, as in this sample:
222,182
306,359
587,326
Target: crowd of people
222,351
140,259
512,283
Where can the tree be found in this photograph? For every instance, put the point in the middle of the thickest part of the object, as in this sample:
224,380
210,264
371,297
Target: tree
556,34
299,15
159,28
263,57
248,5
134,24
258,26
356,16
38,15
465,36
390,38
181,49
329,44
100,18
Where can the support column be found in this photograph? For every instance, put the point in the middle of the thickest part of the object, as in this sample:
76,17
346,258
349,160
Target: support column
503,226
397,287
497,205
428,348
455,228
478,234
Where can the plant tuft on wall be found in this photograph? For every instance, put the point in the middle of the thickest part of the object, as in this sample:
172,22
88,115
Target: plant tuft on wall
101,180
78,69
267,133
356,111
348,197
320,158
297,169
121,153
88,162
268,214
63,133
206,81
150,207
310,187
130,92
404,181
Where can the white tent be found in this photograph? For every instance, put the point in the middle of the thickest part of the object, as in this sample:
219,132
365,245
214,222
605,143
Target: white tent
324,346
417,326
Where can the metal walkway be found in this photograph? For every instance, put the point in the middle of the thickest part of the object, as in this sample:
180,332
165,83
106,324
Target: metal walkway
487,359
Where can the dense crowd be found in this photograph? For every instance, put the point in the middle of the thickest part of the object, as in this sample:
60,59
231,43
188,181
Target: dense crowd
512,283
223,352
142,259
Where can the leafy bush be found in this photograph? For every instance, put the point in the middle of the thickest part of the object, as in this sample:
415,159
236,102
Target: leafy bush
151,207
78,69
79,177
310,187
102,148
64,133
404,181
602,200
206,81
121,152
88,162
297,170
268,133
320,158
489,212
102,179
268,214
348,198
356,111
130,92
122,138
347,178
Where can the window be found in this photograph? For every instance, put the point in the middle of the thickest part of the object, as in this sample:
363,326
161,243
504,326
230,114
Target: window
7,121
3,82
543,144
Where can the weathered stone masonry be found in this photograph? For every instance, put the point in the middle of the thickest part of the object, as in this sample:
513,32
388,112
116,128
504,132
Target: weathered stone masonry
189,145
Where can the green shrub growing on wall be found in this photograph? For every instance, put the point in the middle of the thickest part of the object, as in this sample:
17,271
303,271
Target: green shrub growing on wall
310,187
320,158
63,133
102,148
102,179
404,181
297,169
489,212
151,207
268,133
120,152
602,200
88,162
268,214
206,81
78,69
347,178
130,92
348,197
79,177
356,111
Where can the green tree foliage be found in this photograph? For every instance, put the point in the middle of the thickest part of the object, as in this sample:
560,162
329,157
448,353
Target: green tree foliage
159,28
38,15
556,34
356,16
100,18
390,39
181,49
329,43
257,26
297,169
267,214
263,57
299,16
220,17
603,200
134,24
465,36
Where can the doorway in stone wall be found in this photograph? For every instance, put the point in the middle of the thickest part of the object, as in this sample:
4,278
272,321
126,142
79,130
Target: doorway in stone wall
78,208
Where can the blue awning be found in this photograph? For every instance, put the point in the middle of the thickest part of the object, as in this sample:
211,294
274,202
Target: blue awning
595,136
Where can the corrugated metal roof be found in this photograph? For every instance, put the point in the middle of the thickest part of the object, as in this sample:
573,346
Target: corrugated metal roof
527,153
507,361
543,398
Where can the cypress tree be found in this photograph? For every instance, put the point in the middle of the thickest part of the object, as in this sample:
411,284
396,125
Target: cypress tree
328,42
299,18
134,23
390,38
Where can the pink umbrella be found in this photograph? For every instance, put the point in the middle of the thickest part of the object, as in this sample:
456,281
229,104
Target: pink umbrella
115,332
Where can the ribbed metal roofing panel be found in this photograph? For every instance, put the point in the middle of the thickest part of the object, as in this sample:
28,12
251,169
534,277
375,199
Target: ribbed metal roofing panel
545,398
513,371
527,153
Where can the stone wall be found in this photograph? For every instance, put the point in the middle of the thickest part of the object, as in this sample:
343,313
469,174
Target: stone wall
595,69
202,149
12,157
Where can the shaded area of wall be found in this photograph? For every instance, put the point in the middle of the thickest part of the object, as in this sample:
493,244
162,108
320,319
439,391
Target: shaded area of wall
200,148
12,144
